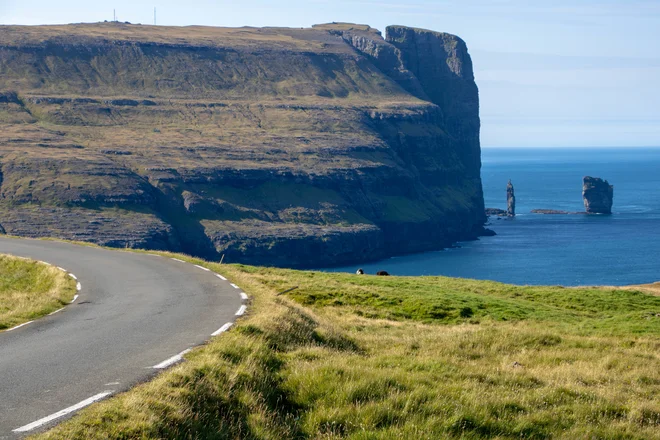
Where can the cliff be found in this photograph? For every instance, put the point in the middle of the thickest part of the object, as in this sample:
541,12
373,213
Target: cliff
291,147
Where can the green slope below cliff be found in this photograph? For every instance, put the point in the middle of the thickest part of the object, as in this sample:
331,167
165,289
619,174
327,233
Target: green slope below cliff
276,146
366,357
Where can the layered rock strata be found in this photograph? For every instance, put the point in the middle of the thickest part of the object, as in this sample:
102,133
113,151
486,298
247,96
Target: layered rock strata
291,147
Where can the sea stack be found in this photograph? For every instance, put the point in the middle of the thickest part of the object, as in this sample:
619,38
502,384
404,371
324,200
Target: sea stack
598,195
510,200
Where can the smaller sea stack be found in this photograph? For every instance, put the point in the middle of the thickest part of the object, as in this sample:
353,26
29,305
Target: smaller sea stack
598,195
510,200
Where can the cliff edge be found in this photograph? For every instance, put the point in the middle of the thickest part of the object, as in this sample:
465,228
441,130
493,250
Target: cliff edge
287,147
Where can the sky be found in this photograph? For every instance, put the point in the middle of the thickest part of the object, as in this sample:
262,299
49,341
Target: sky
551,73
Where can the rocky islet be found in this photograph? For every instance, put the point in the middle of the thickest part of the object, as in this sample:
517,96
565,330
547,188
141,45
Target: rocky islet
598,195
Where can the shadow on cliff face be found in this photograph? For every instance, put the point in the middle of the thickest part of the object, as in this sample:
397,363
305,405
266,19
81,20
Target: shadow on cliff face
188,229
337,145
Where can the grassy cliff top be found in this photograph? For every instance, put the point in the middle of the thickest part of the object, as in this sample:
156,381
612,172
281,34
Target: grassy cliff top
311,65
268,38
342,26
401,28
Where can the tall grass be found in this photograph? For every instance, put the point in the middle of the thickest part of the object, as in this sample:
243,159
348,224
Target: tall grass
362,357
30,289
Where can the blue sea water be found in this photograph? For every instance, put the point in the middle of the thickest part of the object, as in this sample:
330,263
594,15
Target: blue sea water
570,250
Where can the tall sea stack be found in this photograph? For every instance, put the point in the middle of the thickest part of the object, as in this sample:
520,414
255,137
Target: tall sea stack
598,195
510,200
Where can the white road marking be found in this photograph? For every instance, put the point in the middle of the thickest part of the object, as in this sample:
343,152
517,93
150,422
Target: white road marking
56,311
75,297
20,325
62,413
78,287
244,296
112,383
73,276
176,259
241,310
201,267
155,255
222,329
234,286
171,361
221,277
61,268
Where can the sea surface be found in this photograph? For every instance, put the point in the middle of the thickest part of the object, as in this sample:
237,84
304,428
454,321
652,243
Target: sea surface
569,250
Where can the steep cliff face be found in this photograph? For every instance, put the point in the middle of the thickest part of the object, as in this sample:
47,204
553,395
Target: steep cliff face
598,195
443,67
434,67
510,200
272,146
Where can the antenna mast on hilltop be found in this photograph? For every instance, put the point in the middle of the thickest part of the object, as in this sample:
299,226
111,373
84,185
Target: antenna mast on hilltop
114,15
154,16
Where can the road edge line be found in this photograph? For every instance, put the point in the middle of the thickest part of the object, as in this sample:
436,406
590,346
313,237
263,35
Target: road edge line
171,361
62,413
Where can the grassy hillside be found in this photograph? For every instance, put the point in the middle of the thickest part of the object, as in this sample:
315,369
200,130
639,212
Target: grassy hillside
362,357
182,138
30,289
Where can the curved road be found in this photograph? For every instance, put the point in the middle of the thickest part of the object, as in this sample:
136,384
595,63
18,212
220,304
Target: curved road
135,311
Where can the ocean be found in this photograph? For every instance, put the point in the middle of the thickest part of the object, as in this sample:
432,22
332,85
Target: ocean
570,250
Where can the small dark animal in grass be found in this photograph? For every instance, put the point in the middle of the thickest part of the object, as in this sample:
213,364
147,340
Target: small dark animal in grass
382,273
360,272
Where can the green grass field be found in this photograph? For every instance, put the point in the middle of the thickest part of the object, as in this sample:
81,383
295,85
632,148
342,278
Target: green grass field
360,357
30,289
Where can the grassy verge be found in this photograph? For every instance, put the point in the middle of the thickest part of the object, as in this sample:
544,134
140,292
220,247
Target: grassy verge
30,289
346,356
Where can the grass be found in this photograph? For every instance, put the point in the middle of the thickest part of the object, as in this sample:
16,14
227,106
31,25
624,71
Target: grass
363,357
195,36
30,289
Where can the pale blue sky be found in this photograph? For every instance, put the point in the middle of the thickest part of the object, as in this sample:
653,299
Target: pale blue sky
550,73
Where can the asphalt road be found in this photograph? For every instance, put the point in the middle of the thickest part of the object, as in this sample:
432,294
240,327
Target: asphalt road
134,311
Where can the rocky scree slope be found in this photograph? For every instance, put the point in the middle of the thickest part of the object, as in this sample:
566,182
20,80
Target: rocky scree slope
288,147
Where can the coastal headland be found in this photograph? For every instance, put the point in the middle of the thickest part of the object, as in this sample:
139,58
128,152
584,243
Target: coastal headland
287,147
